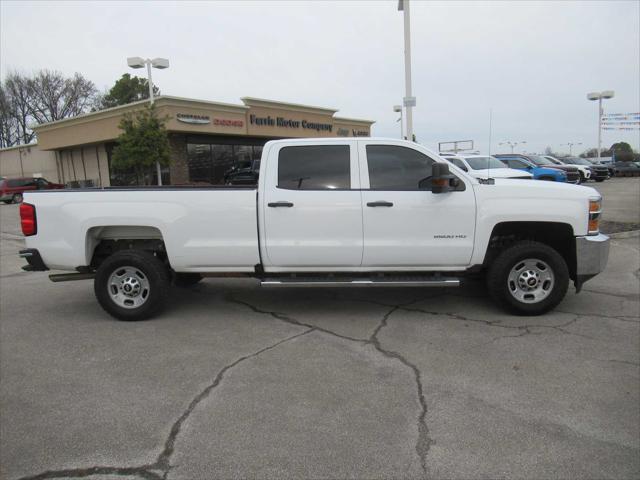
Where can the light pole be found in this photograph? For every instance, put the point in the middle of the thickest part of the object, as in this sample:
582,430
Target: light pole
570,145
398,109
408,101
599,96
512,144
160,63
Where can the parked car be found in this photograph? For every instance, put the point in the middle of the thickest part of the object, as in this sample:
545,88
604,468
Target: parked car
539,173
626,169
12,189
326,212
484,166
599,173
246,175
573,175
604,162
585,173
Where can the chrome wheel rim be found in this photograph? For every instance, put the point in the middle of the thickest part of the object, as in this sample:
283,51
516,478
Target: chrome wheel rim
128,287
530,280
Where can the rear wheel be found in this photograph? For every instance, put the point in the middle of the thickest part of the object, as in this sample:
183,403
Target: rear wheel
17,198
132,285
528,278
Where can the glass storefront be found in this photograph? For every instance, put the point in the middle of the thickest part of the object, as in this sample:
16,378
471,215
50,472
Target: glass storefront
210,160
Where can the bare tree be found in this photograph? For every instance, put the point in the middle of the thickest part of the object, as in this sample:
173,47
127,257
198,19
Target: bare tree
44,97
18,89
55,97
8,124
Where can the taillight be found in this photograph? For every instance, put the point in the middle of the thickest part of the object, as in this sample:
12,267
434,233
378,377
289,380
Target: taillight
28,219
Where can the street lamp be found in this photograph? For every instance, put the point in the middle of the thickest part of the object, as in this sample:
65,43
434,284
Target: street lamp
398,109
599,96
159,63
512,144
408,101
570,145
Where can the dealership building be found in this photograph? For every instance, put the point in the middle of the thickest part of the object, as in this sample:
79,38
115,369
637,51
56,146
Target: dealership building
207,139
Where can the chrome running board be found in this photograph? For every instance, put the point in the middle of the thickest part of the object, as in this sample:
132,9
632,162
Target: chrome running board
343,282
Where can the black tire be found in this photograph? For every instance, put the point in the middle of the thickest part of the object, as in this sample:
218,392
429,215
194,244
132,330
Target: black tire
154,273
17,198
186,279
500,287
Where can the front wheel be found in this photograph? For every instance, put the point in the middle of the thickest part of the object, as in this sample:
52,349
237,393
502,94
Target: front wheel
528,278
17,198
132,285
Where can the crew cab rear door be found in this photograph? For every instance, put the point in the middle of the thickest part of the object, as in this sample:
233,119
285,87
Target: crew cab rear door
406,226
311,206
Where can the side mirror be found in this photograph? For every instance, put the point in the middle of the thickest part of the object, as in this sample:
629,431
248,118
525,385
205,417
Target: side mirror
441,179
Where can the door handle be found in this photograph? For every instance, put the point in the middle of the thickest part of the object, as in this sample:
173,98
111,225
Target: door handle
280,204
380,203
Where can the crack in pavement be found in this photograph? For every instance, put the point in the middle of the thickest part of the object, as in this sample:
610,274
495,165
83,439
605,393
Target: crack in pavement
161,467
424,442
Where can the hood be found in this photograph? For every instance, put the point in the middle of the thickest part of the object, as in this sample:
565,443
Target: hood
500,173
549,189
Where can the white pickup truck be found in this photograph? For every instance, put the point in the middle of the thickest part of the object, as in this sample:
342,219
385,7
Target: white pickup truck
326,212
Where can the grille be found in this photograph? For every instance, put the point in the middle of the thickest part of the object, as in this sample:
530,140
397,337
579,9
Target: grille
572,176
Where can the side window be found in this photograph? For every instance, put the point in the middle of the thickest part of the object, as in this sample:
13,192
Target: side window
458,163
517,164
397,168
314,167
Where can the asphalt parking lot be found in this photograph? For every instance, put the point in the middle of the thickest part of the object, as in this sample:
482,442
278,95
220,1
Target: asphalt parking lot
234,381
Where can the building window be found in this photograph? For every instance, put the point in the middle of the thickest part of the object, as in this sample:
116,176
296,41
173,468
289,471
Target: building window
314,167
211,163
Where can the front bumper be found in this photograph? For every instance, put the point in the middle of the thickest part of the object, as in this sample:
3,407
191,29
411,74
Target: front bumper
592,253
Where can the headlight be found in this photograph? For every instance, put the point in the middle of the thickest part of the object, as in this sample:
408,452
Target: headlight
595,210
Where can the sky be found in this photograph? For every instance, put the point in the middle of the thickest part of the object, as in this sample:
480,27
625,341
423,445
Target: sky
530,64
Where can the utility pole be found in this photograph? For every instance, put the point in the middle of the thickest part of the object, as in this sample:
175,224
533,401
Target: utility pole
409,100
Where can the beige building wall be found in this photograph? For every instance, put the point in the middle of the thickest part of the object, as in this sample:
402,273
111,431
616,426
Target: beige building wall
26,161
84,163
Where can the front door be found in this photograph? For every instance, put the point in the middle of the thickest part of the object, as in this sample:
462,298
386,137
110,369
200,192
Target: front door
406,226
312,207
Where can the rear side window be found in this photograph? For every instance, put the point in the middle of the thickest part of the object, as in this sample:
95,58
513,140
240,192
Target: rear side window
397,168
314,167
16,183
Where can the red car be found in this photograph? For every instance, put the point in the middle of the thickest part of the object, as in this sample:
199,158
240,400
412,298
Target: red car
11,189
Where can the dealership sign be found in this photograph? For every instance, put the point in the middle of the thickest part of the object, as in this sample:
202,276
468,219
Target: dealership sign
206,119
282,122
194,119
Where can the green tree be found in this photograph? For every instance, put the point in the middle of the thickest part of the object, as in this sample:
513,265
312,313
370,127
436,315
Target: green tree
127,89
143,142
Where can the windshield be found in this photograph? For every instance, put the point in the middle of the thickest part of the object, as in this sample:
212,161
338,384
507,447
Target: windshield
540,160
482,163
577,161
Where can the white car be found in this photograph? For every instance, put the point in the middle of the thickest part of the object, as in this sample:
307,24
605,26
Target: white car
331,212
585,172
485,166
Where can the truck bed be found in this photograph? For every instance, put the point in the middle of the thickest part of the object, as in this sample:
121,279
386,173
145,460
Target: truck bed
203,229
